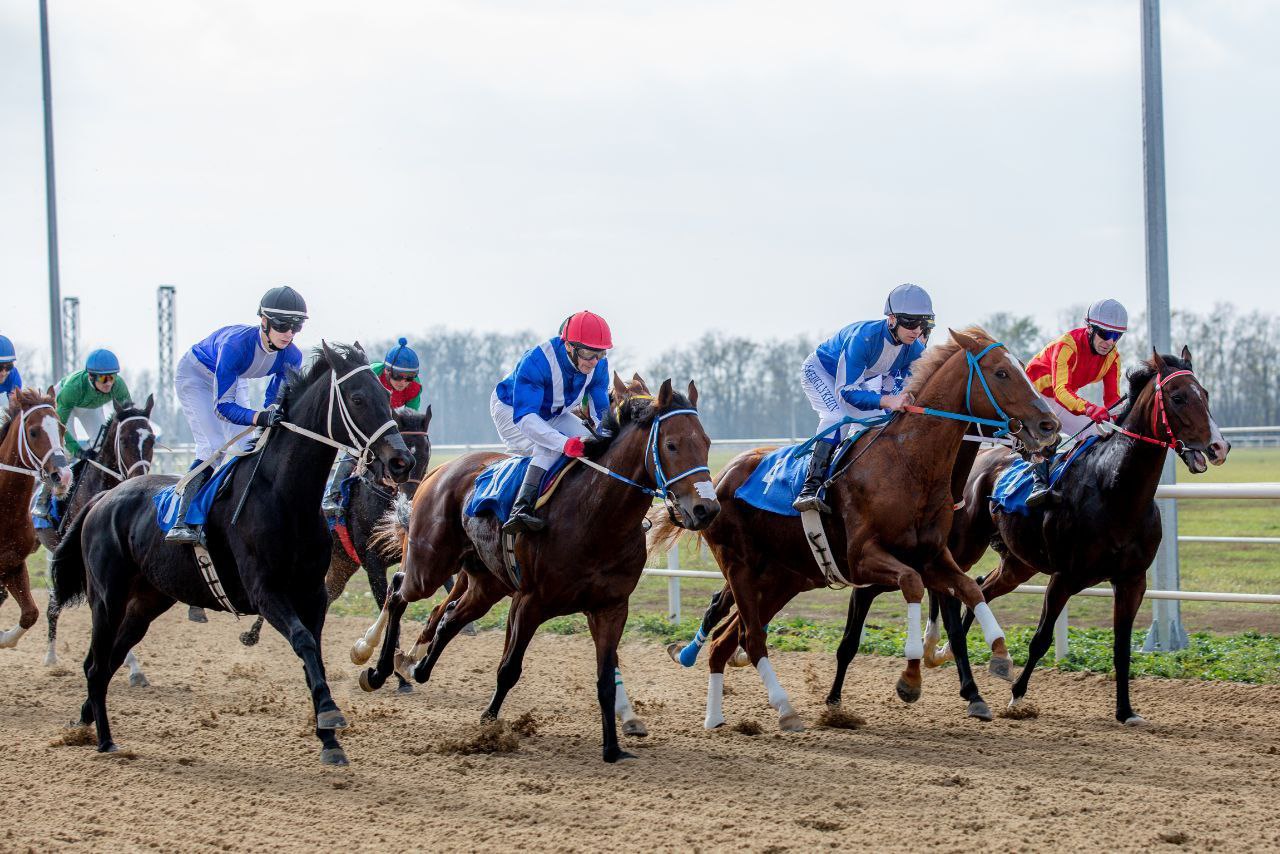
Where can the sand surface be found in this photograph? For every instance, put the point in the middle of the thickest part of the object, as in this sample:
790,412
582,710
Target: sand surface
217,754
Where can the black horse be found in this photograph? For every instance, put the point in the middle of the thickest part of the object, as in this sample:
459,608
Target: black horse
127,446
369,501
271,556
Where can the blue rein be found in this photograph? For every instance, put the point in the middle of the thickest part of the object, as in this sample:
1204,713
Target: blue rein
659,477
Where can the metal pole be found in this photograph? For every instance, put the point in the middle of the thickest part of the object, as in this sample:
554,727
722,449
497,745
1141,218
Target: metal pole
673,584
51,207
1166,632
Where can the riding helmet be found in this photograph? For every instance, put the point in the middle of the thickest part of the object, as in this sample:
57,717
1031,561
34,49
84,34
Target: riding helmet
7,353
102,362
587,330
283,302
401,357
909,301
1108,314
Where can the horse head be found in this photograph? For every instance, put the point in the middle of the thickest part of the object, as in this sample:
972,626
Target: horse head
413,428
1173,406
38,438
134,439
998,388
677,448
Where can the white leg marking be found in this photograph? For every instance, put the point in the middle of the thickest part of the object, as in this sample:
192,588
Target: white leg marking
9,639
715,701
51,657
621,703
915,644
991,631
134,666
777,694
362,649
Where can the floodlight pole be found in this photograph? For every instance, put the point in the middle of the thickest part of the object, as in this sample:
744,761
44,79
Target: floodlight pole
57,362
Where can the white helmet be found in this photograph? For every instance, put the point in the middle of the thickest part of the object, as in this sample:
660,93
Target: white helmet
909,300
1107,314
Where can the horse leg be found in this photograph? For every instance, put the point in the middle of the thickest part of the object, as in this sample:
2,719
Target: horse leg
522,622
859,604
19,584
137,679
51,616
196,614
753,613
251,637
877,566
311,613
950,612
724,643
1004,579
421,646
687,655
475,602
1128,598
388,625
1055,598
377,572
606,630
945,577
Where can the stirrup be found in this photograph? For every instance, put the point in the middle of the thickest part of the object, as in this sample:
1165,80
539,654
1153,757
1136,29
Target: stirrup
1039,497
522,521
806,501
181,532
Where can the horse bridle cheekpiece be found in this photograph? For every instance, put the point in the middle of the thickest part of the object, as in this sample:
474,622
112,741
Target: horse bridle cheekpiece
117,472
26,456
1005,425
1158,410
363,454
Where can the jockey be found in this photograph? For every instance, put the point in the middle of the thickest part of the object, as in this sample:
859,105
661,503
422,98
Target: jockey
532,407
398,373
10,379
211,382
1079,358
82,396
859,372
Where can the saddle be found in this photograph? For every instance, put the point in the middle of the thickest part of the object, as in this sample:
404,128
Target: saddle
1016,483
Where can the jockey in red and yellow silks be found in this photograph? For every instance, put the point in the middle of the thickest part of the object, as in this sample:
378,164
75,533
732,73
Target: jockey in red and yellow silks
1079,358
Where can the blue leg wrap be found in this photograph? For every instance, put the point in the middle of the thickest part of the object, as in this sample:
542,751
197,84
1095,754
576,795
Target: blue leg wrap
689,655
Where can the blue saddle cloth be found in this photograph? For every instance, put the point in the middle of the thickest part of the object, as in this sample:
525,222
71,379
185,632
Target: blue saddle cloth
167,501
1016,484
497,486
344,500
57,507
780,476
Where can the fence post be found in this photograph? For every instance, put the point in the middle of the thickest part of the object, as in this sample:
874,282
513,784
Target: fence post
673,584
1061,644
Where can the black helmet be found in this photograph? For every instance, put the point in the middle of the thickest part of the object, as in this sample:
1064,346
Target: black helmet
283,303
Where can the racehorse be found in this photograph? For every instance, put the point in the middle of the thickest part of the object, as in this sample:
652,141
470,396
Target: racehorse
1106,526
126,450
368,502
891,513
271,559
31,449
590,558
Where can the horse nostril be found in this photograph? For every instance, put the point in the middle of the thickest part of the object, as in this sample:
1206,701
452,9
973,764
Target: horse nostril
699,511
1048,426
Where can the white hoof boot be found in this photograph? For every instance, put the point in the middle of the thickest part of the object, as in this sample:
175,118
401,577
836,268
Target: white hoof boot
50,657
715,701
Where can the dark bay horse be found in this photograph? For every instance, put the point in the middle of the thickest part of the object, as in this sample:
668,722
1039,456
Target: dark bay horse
271,559
127,448
891,515
369,501
31,449
589,560
1106,526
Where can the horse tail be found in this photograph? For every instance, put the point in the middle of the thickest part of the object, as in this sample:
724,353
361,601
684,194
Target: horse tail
663,532
392,531
70,579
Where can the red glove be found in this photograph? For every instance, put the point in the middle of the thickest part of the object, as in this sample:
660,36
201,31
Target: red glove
1096,412
573,447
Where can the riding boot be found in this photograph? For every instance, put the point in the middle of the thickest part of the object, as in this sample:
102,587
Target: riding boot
182,532
332,504
522,518
808,498
1043,492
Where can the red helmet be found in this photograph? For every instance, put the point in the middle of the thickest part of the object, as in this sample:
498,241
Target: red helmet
587,329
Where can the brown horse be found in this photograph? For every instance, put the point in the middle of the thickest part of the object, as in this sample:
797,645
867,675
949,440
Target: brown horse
128,445
31,449
589,560
891,513
1106,526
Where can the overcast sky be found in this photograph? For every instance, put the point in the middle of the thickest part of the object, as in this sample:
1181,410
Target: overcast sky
762,168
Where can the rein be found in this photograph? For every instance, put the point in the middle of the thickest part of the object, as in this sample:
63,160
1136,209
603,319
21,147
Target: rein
661,481
25,454
1158,409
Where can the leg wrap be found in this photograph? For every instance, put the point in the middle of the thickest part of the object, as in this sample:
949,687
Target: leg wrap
915,643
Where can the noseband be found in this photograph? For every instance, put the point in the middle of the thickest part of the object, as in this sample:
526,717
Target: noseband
35,465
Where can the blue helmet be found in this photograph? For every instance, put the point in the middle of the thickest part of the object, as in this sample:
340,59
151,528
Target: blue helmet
401,357
7,353
102,362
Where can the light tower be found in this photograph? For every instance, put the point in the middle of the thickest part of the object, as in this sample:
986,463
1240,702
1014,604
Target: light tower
70,333
165,301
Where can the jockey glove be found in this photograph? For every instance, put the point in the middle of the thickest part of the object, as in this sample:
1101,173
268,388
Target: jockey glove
268,417
1096,412
573,447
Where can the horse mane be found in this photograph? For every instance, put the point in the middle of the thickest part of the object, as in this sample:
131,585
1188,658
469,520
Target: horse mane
297,382
19,400
1141,376
936,357
638,410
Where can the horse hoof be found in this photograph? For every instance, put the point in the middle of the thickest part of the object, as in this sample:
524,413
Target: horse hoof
1001,668
907,692
673,650
249,638
740,658
713,723
617,756
109,747
942,656
369,680
360,652
791,723
196,614
139,680
334,756
50,659
980,710
1135,720
405,688
470,630
635,727
331,720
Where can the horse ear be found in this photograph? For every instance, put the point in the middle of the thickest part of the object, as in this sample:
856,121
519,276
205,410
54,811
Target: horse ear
426,418
151,401
619,388
329,356
359,349
1158,361
50,392
964,340
664,394
693,395
118,408
1186,355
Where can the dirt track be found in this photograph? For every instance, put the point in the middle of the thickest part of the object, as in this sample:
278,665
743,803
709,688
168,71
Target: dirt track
217,755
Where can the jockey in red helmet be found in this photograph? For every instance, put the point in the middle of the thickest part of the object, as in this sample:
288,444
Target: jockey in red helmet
532,407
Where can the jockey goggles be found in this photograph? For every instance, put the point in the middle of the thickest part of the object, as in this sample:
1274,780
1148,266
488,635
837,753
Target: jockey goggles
282,325
6,367
582,352
102,378
915,321
398,377
1105,334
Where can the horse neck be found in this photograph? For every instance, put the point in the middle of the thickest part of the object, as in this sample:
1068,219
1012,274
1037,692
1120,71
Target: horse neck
615,502
1136,473
296,465
928,443
16,487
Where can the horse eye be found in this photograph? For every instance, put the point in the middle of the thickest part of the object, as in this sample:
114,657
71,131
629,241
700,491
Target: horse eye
1002,374
357,399
1179,399
671,446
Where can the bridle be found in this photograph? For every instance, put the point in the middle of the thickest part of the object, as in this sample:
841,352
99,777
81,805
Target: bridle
34,465
1158,411
125,474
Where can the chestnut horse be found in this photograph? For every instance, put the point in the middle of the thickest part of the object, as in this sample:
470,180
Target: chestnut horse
128,445
31,449
589,560
891,513
1106,526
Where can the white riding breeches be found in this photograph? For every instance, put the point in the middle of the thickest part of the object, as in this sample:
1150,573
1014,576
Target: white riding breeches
1071,422
194,384
545,446
820,387
91,421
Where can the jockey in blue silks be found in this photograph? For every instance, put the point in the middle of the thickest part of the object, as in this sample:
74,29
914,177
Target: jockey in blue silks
10,379
859,372
532,407
212,385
